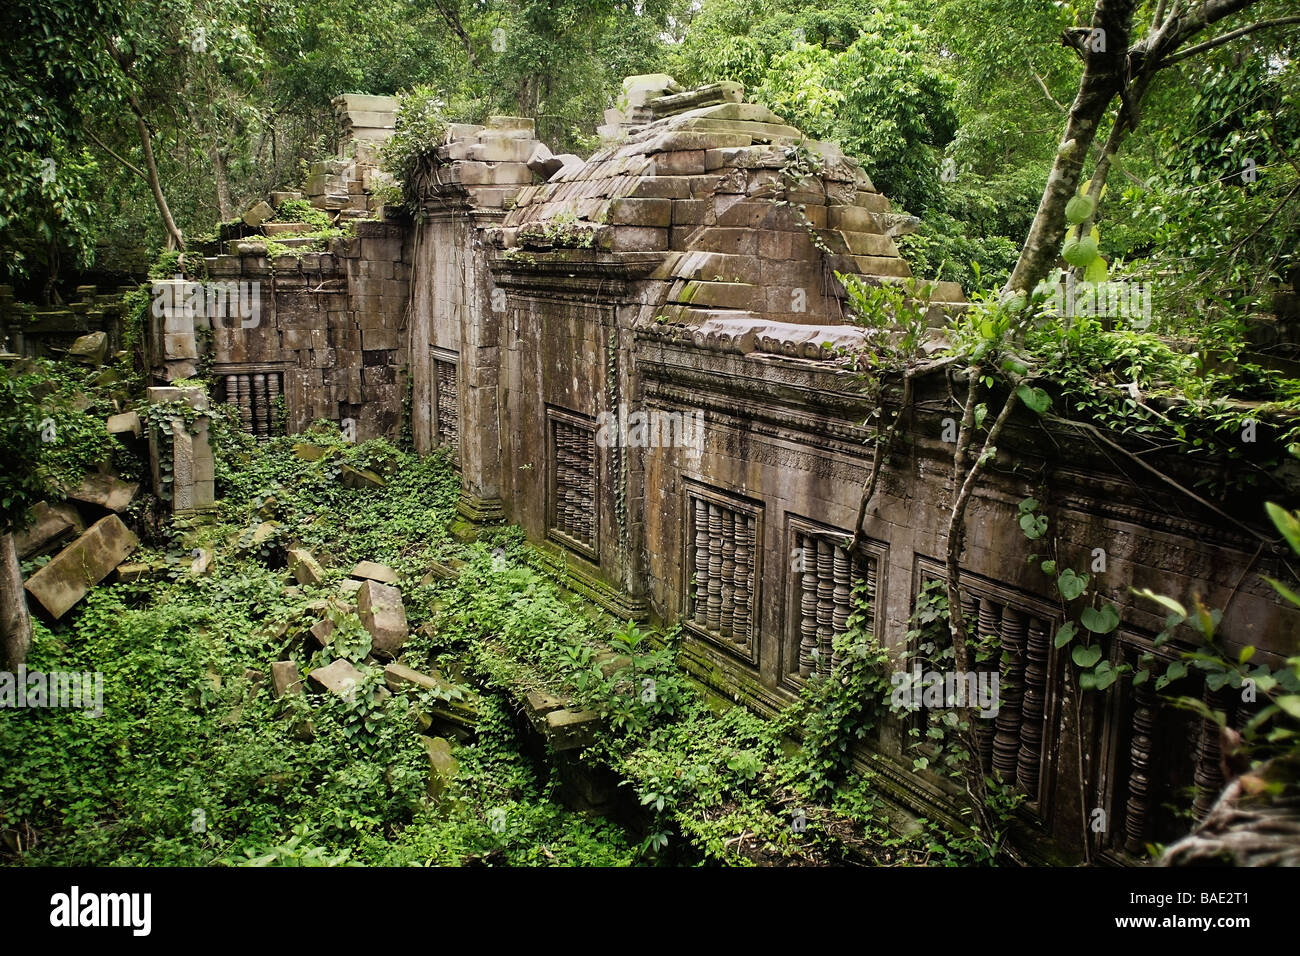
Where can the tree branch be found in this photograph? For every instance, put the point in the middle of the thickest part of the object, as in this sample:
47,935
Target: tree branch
108,149
1227,37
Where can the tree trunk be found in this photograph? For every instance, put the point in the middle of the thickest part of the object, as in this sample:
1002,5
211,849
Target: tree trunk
15,622
225,207
174,238
1103,77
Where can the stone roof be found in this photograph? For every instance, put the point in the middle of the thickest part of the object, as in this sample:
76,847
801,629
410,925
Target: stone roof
709,182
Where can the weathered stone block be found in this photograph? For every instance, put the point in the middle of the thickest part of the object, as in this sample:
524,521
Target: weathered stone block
81,565
656,213
89,349
443,767
571,729
375,572
304,567
635,239
105,491
685,162
258,213
285,678
50,525
132,571
126,422
381,611
340,677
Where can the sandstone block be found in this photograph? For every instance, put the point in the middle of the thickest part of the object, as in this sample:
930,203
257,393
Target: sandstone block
381,611
124,423
340,677
360,478
89,349
258,213
81,565
375,572
105,491
443,767
285,678
304,567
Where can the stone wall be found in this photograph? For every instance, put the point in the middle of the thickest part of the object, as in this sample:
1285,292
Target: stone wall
681,271
636,359
326,330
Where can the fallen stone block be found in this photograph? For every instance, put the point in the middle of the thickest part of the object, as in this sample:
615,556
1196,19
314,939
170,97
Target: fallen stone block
50,525
129,572
105,491
540,703
305,569
543,162
443,767
89,349
323,632
264,531
81,565
571,729
258,213
349,586
360,478
340,677
381,611
461,712
375,572
123,423
309,452
285,678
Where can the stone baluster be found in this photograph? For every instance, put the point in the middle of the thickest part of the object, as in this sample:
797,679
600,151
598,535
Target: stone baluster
1006,740
1033,707
1141,745
842,596
744,578
825,605
728,607
714,613
701,600
1208,776
808,606
982,616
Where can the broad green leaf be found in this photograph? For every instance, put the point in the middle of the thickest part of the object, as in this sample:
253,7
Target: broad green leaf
1164,601
1078,209
1105,675
1096,271
1035,399
1101,621
1065,634
1070,584
1085,655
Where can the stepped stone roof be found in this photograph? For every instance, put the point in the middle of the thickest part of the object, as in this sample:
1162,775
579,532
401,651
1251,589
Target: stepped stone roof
752,218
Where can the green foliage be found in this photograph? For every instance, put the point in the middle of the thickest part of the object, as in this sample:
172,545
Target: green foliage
300,210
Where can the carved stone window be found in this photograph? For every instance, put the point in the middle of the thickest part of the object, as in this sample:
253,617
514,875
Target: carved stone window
1011,744
254,391
1166,761
446,393
571,501
825,585
723,541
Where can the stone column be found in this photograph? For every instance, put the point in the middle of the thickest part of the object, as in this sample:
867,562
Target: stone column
193,481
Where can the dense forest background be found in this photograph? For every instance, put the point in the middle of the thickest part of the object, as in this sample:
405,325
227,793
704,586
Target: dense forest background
956,107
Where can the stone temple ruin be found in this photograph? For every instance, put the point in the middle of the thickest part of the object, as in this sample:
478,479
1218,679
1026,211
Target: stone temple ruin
635,358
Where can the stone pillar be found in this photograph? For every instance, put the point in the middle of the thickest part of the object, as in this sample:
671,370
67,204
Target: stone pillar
193,481
177,308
